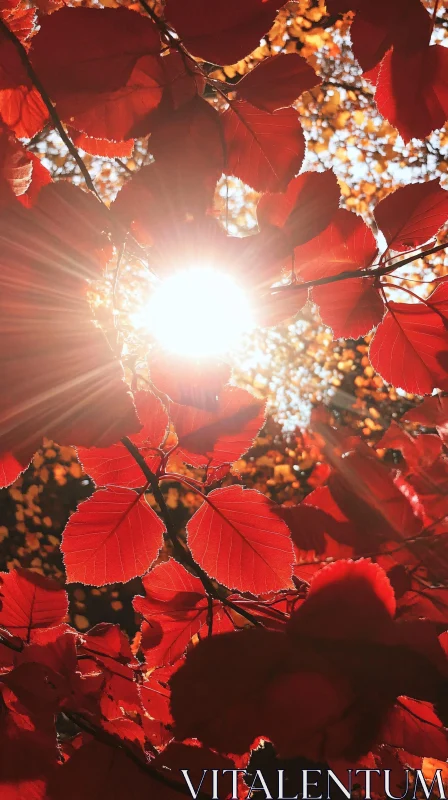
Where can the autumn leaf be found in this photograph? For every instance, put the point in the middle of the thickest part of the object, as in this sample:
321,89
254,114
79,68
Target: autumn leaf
114,536
238,539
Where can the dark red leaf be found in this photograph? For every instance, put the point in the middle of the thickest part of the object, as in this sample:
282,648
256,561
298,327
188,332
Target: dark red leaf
351,307
104,89
30,603
412,215
29,753
263,150
277,82
221,34
106,770
188,148
221,436
305,209
21,106
201,764
237,537
112,537
340,664
314,519
109,649
410,347
431,604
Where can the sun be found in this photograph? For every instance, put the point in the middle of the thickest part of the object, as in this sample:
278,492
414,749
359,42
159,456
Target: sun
198,311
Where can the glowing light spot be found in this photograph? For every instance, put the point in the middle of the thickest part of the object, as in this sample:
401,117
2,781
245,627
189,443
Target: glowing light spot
197,312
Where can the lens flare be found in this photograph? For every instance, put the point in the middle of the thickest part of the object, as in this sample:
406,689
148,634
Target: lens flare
197,312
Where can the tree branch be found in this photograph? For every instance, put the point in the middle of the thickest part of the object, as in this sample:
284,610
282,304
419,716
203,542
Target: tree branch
181,552
361,273
35,80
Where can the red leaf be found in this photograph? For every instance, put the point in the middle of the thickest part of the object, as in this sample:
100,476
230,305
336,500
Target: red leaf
175,608
412,215
40,178
187,144
121,114
277,82
410,347
115,465
431,604
365,491
16,168
346,244
21,106
433,413
221,436
23,110
263,150
113,537
314,519
104,89
379,26
351,307
109,649
412,91
238,539
160,198
21,21
341,597
414,726
103,33
101,147
306,208
10,469
155,697
30,603
221,34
